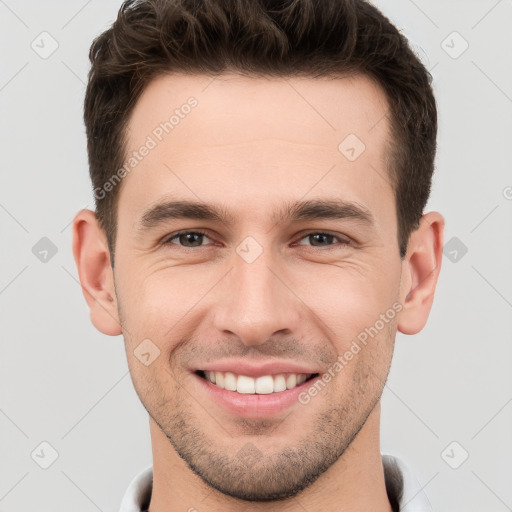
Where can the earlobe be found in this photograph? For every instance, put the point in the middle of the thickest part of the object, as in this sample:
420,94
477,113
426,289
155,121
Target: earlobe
420,272
92,257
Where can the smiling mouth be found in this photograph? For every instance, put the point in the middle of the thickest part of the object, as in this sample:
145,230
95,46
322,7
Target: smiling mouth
263,385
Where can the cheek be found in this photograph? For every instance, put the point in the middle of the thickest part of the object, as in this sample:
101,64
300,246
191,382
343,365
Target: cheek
349,298
155,385
157,303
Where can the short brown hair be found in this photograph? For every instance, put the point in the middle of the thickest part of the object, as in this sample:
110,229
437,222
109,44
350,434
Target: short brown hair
260,37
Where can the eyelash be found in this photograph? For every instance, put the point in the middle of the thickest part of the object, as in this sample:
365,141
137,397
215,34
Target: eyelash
341,241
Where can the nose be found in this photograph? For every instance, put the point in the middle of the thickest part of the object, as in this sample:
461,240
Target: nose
256,302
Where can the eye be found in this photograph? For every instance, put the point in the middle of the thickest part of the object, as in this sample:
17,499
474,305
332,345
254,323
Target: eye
188,239
321,239
194,239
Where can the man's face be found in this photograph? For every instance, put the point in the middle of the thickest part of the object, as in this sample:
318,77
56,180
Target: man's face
259,287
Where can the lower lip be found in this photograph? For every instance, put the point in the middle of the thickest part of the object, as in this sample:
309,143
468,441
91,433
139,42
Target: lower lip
254,405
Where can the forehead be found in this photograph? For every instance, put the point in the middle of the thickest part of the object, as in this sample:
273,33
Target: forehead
259,137
305,106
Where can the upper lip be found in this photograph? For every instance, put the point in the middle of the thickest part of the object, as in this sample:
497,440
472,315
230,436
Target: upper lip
253,369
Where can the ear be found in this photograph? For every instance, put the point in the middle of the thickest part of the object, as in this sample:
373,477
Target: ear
420,271
92,257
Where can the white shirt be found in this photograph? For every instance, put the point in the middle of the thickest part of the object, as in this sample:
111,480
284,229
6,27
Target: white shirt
401,485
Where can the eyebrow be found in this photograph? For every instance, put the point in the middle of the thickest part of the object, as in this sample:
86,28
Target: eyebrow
315,209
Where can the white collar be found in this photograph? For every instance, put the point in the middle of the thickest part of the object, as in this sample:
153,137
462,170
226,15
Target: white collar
400,482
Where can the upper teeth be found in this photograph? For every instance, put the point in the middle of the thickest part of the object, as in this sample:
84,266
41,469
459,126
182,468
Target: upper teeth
260,385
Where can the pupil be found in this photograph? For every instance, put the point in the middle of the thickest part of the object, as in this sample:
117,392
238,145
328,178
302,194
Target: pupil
188,237
323,236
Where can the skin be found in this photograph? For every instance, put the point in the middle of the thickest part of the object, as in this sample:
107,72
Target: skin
251,145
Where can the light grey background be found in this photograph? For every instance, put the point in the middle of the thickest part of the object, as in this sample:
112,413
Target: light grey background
63,383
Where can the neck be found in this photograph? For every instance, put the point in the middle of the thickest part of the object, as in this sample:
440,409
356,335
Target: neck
355,482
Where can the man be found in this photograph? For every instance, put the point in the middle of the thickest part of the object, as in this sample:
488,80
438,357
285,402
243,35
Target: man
260,170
